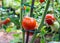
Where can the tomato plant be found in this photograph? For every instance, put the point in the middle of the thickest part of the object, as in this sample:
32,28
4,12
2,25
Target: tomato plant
17,9
29,23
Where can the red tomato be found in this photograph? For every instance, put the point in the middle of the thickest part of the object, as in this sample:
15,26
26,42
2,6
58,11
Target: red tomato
49,19
6,21
29,23
41,1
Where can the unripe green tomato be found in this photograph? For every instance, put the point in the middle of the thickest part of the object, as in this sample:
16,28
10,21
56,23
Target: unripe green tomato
11,25
27,9
55,26
17,11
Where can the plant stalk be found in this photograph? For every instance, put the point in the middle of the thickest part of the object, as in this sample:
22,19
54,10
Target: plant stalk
21,17
32,6
27,37
42,21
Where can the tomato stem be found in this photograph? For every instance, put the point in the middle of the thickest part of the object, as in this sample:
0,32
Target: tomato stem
23,31
43,39
2,4
43,16
21,17
27,37
59,34
32,6
42,21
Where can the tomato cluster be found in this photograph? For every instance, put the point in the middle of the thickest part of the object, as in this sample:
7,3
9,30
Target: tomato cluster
29,23
49,19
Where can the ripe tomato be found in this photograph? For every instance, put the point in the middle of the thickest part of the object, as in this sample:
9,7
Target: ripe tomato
6,21
41,1
28,23
49,19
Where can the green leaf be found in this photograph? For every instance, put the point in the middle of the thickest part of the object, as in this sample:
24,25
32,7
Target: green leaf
8,30
43,32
